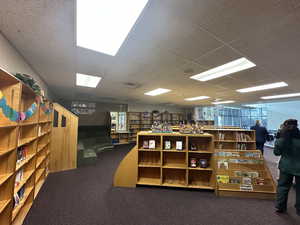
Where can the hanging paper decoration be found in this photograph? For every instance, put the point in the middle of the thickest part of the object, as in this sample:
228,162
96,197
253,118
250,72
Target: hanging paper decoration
46,110
12,114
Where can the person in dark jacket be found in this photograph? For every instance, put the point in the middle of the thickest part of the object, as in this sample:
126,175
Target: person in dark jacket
288,147
261,136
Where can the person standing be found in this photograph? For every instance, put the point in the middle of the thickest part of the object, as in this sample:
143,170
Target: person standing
261,136
288,147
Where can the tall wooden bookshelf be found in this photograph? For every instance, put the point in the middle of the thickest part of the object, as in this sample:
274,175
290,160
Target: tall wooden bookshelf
30,139
171,167
142,121
240,167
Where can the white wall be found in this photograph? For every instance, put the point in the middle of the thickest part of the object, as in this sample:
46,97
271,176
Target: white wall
279,112
13,62
150,108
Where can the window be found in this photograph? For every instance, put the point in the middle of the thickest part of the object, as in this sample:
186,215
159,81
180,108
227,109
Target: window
63,121
55,120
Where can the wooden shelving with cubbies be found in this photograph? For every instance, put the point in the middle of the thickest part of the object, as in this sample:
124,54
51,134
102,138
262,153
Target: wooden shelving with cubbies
24,149
163,160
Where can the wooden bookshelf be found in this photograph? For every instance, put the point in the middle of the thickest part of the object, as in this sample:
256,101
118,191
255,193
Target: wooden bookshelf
30,140
166,165
170,166
142,121
241,168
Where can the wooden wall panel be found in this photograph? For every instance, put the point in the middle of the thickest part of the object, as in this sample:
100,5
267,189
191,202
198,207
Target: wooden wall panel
64,139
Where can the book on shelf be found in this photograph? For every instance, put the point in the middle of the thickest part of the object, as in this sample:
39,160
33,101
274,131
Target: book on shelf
22,153
246,180
145,144
243,137
246,187
252,174
179,145
223,179
221,136
168,145
223,164
152,144
234,180
259,181
19,177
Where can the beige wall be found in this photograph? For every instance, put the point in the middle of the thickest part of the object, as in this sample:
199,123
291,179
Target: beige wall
13,62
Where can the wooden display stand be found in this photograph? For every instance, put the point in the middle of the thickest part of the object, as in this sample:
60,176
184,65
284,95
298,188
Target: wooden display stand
169,167
28,174
231,153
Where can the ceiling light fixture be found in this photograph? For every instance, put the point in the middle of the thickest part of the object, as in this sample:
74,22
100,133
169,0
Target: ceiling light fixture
87,80
263,87
104,25
224,70
281,96
196,98
223,102
157,91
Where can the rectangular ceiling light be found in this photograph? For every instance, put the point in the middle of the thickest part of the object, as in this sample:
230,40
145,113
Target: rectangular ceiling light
87,80
263,87
223,102
281,96
196,98
224,70
103,25
157,91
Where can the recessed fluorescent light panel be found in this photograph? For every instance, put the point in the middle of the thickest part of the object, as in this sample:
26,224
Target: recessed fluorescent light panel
263,87
226,69
223,102
196,98
157,91
281,96
103,25
87,80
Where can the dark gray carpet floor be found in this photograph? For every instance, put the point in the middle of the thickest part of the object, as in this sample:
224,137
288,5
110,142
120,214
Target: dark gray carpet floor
86,197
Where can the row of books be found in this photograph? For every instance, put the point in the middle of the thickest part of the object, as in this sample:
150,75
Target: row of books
243,137
224,163
225,179
18,197
19,177
22,153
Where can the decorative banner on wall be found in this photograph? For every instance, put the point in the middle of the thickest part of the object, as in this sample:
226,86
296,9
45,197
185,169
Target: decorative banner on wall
12,114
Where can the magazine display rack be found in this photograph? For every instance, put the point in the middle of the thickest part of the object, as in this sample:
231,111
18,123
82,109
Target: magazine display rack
24,150
240,168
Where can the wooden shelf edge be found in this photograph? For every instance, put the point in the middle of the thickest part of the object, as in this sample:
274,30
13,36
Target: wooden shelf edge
149,165
38,176
41,162
2,152
20,165
38,186
5,177
4,204
23,182
27,124
44,146
16,210
28,140
9,126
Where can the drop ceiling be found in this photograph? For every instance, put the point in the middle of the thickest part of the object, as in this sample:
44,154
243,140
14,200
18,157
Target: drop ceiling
171,41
